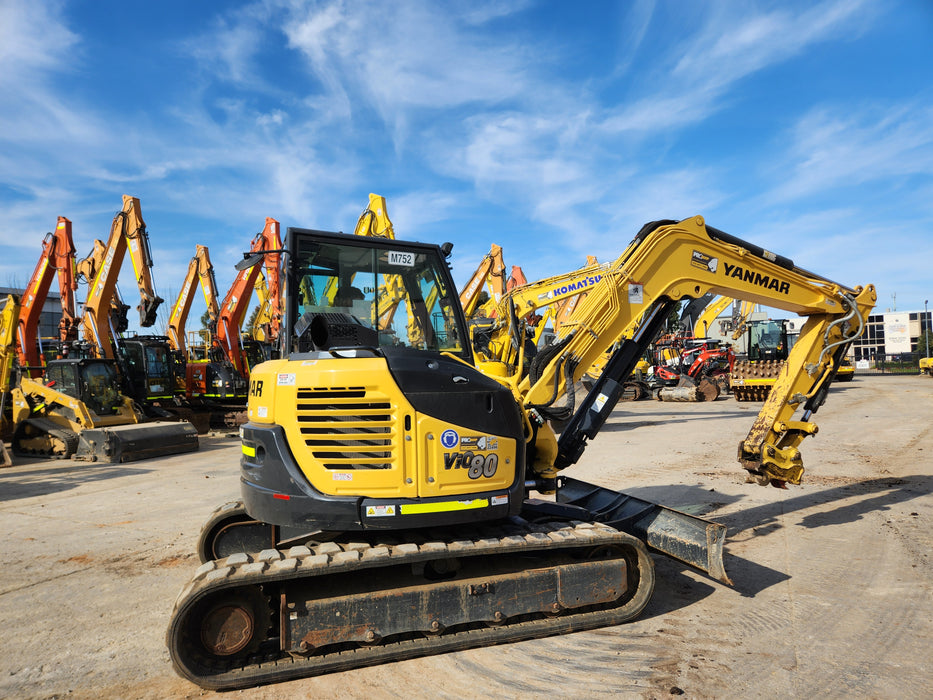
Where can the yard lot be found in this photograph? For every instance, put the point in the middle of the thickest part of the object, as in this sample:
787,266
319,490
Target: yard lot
832,595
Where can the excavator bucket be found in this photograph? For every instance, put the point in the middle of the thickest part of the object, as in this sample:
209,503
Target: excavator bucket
687,538
130,443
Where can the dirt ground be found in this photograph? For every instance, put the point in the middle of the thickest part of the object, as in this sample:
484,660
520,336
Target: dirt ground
832,594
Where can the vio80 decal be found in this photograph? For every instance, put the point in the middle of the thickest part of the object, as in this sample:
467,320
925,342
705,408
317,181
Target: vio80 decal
478,465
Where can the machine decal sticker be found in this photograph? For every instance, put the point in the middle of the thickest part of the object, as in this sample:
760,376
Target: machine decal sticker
343,476
380,511
401,258
757,278
450,439
485,442
476,465
636,294
499,500
285,379
571,287
704,261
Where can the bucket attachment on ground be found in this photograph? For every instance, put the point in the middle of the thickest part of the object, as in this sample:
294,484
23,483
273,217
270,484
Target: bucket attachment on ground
129,443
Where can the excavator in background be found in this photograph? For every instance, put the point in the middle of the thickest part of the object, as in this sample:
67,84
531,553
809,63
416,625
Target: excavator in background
504,346
690,369
393,495
763,349
76,410
146,369
200,270
491,271
227,344
57,259
128,232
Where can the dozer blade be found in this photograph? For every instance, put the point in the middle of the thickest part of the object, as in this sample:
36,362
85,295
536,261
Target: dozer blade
684,537
129,443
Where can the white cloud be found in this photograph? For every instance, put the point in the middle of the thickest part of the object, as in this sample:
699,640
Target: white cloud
834,148
696,75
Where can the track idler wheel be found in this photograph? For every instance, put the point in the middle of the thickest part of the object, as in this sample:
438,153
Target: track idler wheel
227,627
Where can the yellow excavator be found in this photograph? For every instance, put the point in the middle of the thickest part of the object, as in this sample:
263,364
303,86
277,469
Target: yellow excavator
397,501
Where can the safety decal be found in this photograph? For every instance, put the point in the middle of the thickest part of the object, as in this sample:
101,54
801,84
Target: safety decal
636,294
285,379
380,511
343,476
450,439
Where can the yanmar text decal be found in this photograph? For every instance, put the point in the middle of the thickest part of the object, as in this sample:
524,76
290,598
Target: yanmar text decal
756,278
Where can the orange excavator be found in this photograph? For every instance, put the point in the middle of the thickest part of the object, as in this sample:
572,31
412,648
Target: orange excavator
200,270
57,258
226,340
490,270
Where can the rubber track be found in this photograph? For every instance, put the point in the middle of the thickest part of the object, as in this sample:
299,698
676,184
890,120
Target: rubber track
49,427
272,566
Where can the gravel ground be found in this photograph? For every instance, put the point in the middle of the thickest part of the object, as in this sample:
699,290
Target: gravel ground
831,595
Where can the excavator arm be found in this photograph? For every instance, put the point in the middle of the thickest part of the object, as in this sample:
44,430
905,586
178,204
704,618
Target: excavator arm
269,243
128,232
502,344
667,262
491,269
200,270
57,257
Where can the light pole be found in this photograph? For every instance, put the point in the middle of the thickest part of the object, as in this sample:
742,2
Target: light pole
926,320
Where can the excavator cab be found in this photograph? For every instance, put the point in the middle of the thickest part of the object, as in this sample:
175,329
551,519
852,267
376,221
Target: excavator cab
149,367
427,314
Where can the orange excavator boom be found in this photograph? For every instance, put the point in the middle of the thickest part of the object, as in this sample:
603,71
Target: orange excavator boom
57,257
233,309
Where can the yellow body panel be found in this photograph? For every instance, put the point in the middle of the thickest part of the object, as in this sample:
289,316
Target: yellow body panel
367,439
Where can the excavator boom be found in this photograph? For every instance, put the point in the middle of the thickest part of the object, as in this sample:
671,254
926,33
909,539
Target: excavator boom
57,258
128,232
200,270
236,302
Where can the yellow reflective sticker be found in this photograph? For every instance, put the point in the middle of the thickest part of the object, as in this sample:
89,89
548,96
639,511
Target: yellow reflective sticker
249,451
443,507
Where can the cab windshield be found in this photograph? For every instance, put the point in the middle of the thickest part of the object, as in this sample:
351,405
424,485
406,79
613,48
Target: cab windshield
399,291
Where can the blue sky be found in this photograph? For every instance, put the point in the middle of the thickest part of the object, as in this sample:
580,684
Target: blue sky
554,129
